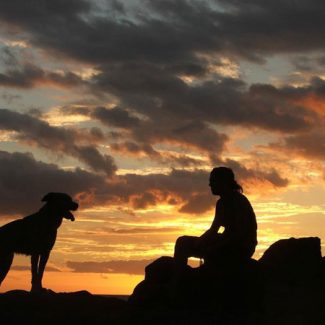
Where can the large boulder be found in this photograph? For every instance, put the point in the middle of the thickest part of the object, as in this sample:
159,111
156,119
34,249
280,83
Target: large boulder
293,259
166,284
293,252
163,283
287,261
272,290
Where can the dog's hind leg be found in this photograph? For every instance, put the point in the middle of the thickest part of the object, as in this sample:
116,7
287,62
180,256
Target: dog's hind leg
6,258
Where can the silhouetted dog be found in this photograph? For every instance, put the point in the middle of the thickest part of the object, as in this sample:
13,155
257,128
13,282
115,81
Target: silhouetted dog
35,235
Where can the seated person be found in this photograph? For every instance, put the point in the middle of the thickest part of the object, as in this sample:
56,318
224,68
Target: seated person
235,214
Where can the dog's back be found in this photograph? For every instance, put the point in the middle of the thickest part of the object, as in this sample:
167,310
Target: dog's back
33,234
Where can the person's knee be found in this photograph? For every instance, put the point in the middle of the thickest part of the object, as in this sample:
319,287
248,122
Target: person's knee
181,240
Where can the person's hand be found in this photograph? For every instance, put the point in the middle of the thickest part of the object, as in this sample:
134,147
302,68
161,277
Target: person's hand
206,234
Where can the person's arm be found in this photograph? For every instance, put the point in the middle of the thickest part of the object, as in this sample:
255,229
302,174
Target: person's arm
242,217
214,226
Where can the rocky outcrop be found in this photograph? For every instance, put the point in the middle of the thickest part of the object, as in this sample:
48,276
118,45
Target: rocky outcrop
165,284
51,308
293,252
289,268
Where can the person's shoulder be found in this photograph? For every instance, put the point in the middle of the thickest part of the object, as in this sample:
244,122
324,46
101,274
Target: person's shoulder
241,198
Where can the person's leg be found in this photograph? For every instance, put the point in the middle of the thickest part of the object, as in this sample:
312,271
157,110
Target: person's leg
185,247
211,248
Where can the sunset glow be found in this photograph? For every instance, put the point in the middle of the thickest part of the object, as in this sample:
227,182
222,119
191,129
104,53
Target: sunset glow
127,107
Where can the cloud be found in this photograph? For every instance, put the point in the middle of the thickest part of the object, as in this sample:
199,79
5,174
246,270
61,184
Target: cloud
189,116
159,62
141,230
118,266
165,31
21,71
188,191
58,139
116,117
142,134
258,27
29,76
24,181
166,100
308,145
27,268
271,176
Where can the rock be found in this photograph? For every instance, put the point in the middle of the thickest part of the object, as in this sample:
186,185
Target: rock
48,307
161,270
249,289
293,252
160,285
293,260
165,284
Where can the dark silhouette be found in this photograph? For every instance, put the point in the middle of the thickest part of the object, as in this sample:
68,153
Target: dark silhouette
231,287
235,214
272,290
35,235
229,278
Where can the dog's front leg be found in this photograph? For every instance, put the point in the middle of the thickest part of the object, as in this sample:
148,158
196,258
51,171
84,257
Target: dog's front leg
41,267
38,266
35,281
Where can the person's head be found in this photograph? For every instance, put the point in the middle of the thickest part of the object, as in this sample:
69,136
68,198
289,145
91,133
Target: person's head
222,181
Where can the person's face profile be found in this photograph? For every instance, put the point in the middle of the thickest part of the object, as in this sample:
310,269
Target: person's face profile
214,185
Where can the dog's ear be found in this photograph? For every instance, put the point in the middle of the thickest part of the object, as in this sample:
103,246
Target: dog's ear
47,197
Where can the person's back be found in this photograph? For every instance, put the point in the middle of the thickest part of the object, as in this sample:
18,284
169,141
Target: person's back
236,215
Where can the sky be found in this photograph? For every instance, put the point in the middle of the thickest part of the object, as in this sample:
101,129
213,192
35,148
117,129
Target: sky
127,105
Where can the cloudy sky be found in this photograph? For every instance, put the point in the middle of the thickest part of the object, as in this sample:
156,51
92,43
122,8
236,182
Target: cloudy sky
127,105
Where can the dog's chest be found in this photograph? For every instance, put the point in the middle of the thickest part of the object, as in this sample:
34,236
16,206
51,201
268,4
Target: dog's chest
35,240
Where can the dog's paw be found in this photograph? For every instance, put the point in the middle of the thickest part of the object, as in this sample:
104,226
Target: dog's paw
36,288
42,291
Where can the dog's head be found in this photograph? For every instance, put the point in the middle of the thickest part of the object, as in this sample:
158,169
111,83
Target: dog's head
63,203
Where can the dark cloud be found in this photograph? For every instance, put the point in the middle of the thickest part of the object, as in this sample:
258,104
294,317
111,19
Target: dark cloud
142,57
29,76
197,203
223,101
159,63
119,266
165,30
21,72
315,87
24,181
243,173
140,150
142,134
115,117
187,190
255,29
57,139
310,145
185,114
142,191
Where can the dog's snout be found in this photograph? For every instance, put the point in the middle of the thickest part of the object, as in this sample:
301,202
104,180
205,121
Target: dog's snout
75,206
